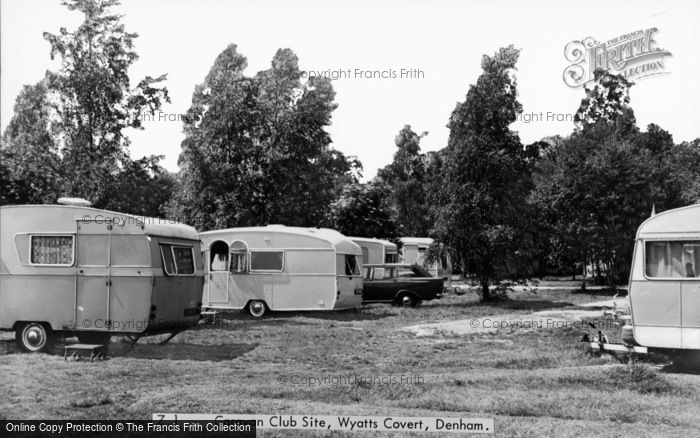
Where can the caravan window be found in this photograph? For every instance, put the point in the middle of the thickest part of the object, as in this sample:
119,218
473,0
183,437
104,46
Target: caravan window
266,260
672,259
391,258
177,260
239,258
352,266
52,250
184,260
168,261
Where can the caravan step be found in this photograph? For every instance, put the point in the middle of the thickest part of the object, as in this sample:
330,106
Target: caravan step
96,351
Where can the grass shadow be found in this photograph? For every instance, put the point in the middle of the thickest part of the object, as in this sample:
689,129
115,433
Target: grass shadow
172,351
179,351
606,292
291,317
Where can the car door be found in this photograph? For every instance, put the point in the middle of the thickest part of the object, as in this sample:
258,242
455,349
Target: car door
385,280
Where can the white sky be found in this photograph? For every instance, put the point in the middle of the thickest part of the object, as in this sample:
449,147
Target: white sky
445,39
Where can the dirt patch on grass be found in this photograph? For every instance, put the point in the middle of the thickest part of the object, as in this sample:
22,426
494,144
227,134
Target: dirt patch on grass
491,324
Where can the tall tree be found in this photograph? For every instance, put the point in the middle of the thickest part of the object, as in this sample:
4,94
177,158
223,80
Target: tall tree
93,101
29,158
481,198
406,176
256,150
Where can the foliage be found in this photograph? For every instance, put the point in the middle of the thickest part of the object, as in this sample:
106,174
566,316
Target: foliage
364,210
67,134
29,159
481,194
594,188
256,150
406,177
143,188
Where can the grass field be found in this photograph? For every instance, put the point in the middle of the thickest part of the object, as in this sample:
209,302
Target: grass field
534,382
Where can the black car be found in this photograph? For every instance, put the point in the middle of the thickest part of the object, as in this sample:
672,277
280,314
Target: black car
404,285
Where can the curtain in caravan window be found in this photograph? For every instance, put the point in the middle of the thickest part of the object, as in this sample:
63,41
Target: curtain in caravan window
672,259
691,259
52,250
239,257
239,262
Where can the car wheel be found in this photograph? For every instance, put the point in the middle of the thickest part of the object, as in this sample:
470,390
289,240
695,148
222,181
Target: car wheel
34,337
257,308
407,300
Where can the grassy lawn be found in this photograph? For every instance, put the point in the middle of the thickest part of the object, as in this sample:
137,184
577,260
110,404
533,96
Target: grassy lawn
534,382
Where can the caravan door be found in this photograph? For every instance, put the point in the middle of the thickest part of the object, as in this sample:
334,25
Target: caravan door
93,275
217,273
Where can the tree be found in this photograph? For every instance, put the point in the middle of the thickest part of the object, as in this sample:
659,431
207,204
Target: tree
364,210
481,196
600,183
143,188
684,171
406,176
92,100
256,150
29,159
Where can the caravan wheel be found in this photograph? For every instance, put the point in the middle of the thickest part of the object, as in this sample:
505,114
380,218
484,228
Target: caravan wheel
34,337
257,308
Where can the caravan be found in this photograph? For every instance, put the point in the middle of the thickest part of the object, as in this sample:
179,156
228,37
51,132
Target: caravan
376,251
414,251
664,289
74,270
281,268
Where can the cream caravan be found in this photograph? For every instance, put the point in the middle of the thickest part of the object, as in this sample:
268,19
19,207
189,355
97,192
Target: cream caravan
377,251
414,251
281,268
664,289
70,269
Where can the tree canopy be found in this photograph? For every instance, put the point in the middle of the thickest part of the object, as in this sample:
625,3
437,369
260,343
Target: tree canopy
256,150
67,136
480,199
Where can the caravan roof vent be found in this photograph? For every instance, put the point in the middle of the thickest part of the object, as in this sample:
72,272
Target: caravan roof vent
79,202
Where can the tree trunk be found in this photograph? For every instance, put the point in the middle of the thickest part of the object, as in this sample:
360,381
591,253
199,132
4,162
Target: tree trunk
611,274
485,291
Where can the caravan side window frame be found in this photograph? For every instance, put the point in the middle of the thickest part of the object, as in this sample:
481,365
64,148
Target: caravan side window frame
250,262
62,265
645,244
171,246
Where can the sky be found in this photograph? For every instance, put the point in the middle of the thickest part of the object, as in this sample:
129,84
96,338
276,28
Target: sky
438,44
